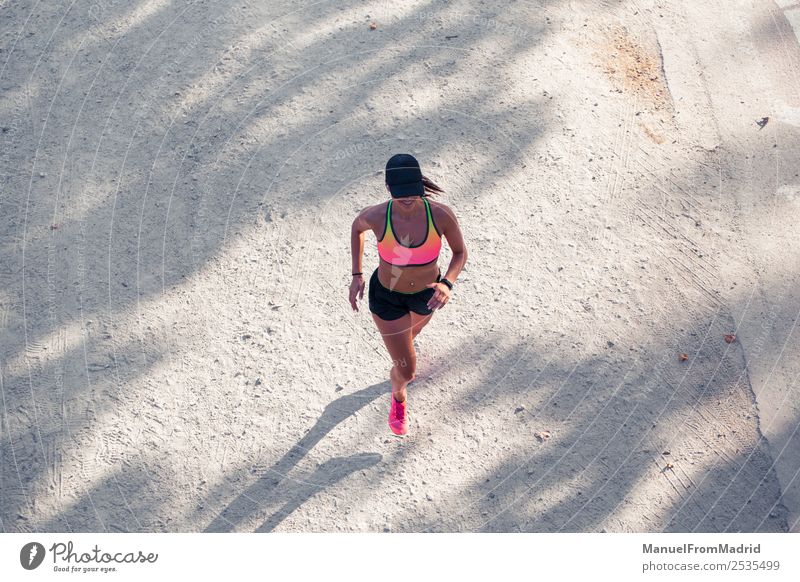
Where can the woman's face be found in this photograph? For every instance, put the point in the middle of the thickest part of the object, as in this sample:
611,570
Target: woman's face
407,201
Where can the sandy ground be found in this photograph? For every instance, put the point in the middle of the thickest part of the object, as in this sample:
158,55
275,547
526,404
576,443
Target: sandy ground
178,181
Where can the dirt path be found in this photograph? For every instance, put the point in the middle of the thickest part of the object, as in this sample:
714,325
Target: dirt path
178,180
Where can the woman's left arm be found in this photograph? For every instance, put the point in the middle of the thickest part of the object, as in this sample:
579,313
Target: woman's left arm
452,232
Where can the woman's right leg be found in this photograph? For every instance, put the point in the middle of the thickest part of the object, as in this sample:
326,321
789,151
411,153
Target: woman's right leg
397,337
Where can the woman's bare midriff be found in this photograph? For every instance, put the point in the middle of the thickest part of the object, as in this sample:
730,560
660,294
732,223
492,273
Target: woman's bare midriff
407,279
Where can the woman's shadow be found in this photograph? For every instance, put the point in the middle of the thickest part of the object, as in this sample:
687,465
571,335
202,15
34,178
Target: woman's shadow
263,492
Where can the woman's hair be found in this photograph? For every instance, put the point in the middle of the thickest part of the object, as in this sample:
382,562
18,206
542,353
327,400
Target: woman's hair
429,187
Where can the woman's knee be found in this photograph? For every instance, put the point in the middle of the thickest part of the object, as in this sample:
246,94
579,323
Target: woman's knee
406,368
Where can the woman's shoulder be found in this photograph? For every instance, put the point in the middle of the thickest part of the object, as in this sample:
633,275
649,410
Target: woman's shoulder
374,214
377,210
442,213
435,204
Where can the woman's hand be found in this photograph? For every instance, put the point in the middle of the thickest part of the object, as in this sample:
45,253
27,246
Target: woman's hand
440,297
356,290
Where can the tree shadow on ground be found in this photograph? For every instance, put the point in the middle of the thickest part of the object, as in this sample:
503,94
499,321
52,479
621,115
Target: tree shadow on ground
676,447
136,175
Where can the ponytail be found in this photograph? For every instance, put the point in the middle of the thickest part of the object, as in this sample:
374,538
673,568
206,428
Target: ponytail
429,187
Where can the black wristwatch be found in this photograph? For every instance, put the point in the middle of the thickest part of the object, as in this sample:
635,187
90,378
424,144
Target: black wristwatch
446,282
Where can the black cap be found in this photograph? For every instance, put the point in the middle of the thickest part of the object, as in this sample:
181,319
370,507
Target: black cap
403,176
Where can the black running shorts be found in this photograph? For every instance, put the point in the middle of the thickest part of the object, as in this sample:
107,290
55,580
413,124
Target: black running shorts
391,305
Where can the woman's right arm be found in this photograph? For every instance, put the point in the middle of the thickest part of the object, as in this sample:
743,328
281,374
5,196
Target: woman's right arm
357,230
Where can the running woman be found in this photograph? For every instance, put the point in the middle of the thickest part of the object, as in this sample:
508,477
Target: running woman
407,287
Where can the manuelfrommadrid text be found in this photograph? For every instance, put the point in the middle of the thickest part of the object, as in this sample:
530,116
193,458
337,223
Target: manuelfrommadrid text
693,549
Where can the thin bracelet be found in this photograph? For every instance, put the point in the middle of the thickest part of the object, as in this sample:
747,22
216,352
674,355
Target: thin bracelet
354,274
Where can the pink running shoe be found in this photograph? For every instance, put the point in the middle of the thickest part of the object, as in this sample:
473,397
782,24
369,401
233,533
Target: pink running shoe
397,417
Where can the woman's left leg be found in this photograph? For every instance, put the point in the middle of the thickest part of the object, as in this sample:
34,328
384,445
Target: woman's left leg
418,322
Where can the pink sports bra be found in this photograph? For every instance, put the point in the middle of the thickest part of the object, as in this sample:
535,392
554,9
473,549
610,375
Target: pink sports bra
394,253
